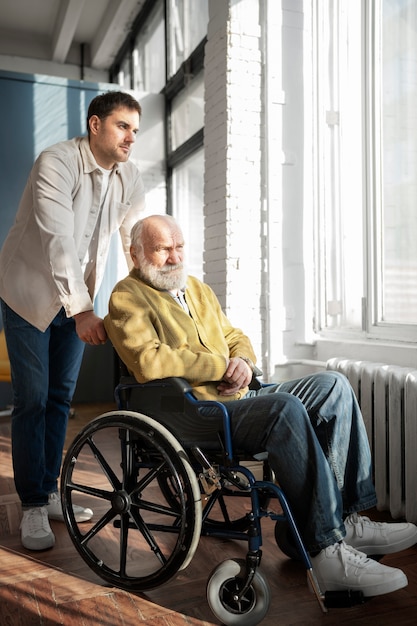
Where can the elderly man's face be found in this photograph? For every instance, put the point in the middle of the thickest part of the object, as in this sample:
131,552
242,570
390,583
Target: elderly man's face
161,261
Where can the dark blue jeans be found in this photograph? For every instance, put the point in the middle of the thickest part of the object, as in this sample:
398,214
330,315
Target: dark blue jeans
44,368
317,445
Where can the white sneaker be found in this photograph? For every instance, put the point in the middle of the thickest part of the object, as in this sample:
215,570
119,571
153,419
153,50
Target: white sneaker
54,509
36,534
341,567
378,537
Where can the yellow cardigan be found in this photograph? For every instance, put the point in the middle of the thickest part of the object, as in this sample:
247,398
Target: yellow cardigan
156,338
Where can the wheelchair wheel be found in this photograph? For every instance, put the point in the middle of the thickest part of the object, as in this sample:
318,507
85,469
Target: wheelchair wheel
136,540
224,584
285,540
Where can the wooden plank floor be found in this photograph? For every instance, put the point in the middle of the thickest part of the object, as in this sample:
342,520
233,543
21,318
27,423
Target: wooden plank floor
57,587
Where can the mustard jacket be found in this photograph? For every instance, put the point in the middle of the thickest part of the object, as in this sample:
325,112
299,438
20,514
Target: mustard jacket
156,338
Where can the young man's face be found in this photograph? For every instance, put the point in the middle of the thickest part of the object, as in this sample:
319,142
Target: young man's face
112,138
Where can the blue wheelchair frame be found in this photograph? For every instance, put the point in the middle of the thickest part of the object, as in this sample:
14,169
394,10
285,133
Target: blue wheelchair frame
154,493
231,465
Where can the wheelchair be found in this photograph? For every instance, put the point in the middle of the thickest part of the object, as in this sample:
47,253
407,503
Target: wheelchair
155,493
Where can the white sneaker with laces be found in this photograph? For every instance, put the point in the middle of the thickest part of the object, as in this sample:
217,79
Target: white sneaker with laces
54,509
378,537
341,567
36,534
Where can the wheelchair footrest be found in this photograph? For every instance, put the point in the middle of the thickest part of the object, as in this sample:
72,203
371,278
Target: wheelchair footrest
343,599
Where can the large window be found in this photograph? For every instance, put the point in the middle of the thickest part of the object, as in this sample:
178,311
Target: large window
165,54
365,166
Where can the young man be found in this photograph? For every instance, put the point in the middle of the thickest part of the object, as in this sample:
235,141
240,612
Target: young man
165,323
78,194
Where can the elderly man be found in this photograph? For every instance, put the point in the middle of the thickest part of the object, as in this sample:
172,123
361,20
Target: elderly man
164,323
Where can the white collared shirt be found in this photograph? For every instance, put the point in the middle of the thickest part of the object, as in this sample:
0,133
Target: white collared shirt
179,297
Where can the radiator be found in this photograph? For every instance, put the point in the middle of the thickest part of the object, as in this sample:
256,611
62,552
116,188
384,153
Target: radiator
387,395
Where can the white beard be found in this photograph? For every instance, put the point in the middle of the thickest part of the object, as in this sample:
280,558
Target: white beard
167,278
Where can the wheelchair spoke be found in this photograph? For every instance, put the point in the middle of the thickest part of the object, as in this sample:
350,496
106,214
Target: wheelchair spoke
148,536
124,533
98,526
158,508
111,476
146,480
91,491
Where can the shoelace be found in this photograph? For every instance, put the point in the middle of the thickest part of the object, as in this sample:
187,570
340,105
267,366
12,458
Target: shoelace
349,556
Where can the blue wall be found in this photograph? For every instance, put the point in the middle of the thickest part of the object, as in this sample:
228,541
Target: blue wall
36,112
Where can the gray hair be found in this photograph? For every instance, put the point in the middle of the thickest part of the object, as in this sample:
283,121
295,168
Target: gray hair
137,232
136,235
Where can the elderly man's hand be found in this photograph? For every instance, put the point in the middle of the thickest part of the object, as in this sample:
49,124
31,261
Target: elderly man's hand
237,376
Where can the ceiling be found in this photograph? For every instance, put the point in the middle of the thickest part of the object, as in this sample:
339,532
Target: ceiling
54,30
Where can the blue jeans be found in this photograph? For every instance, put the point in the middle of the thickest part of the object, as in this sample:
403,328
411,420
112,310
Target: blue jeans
44,368
317,445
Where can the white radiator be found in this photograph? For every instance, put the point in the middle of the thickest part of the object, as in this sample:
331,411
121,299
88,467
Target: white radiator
387,395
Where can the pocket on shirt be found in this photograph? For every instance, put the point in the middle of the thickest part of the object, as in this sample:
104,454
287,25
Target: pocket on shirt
117,214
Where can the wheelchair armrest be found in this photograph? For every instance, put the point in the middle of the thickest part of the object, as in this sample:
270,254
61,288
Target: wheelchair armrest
164,394
178,384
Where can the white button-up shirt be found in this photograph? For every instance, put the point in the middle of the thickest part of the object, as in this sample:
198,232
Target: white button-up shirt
49,259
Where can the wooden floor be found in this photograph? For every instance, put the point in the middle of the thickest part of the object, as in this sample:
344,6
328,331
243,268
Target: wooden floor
57,587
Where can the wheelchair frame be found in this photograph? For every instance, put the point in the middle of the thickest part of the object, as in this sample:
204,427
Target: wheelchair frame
151,508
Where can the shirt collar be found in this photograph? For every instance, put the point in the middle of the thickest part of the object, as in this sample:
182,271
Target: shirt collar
90,164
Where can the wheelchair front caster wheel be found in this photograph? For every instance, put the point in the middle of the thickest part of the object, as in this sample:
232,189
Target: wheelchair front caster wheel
223,588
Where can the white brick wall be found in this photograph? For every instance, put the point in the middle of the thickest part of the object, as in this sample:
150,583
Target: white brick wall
256,135
233,162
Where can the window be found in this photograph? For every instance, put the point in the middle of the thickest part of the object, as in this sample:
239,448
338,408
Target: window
365,146
177,44
124,77
149,60
187,26
339,165
187,193
397,83
187,112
